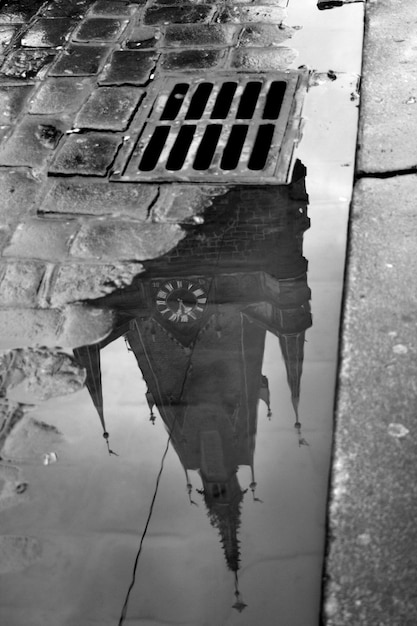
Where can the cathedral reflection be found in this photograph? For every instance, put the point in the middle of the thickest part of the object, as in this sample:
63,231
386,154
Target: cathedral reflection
196,321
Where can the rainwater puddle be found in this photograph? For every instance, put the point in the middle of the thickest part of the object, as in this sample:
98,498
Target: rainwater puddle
206,504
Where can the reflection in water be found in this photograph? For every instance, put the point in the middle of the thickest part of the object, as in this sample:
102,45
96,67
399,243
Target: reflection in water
196,322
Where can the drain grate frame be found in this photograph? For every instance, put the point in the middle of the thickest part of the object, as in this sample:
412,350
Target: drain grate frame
225,128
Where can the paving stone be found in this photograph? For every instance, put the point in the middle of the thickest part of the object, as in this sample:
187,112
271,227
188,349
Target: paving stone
47,33
6,35
262,59
388,124
66,8
109,108
260,14
182,203
199,35
32,142
102,198
79,60
20,282
19,11
186,14
72,327
264,35
27,63
143,37
76,282
60,95
192,59
116,8
12,100
19,193
128,66
125,240
41,239
89,155
100,29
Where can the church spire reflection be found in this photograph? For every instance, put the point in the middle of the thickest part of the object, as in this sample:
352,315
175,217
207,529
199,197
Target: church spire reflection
196,322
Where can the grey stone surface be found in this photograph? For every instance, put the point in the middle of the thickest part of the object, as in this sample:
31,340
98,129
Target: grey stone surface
89,154
109,108
128,66
41,239
20,282
124,241
76,282
372,562
68,328
92,198
388,124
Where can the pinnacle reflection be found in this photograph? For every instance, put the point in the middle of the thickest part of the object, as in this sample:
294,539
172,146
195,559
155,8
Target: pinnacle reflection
196,322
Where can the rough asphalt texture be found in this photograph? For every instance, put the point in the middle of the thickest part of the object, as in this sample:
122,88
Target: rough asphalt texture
372,559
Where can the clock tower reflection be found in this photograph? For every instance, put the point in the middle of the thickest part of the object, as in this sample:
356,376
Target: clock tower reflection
196,321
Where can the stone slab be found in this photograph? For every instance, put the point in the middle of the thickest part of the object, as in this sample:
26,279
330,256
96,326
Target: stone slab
100,199
388,124
124,240
372,563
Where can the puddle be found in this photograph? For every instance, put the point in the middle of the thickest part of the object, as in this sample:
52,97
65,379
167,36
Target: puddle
186,482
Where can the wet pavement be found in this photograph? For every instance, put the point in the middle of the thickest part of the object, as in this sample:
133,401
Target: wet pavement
168,369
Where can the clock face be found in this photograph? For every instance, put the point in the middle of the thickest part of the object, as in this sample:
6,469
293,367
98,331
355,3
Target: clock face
181,300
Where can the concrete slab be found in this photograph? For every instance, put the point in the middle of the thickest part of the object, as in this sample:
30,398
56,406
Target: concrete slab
389,89
372,562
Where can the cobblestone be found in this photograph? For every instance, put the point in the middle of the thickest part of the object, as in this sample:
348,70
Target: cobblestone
186,14
47,33
42,239
27,63
262,59
124,240
20,282
199,34
142,37
72,327
12,101
128,66
109,108
80,60
260,14
192,60
60,95
66,8
91,198
6,35
32,143
100,29
19,192
112,7
89,155
75,282
19,11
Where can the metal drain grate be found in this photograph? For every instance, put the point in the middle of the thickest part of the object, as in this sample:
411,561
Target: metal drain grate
234,128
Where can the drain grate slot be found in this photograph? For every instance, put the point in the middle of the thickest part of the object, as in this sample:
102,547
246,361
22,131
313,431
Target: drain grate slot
248,101
274,100
174,102
154,149
222,128
180,148
223,101
234,145
261,147
207,147
199,101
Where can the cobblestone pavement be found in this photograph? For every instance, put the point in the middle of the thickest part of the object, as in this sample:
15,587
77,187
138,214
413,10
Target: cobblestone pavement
73,77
